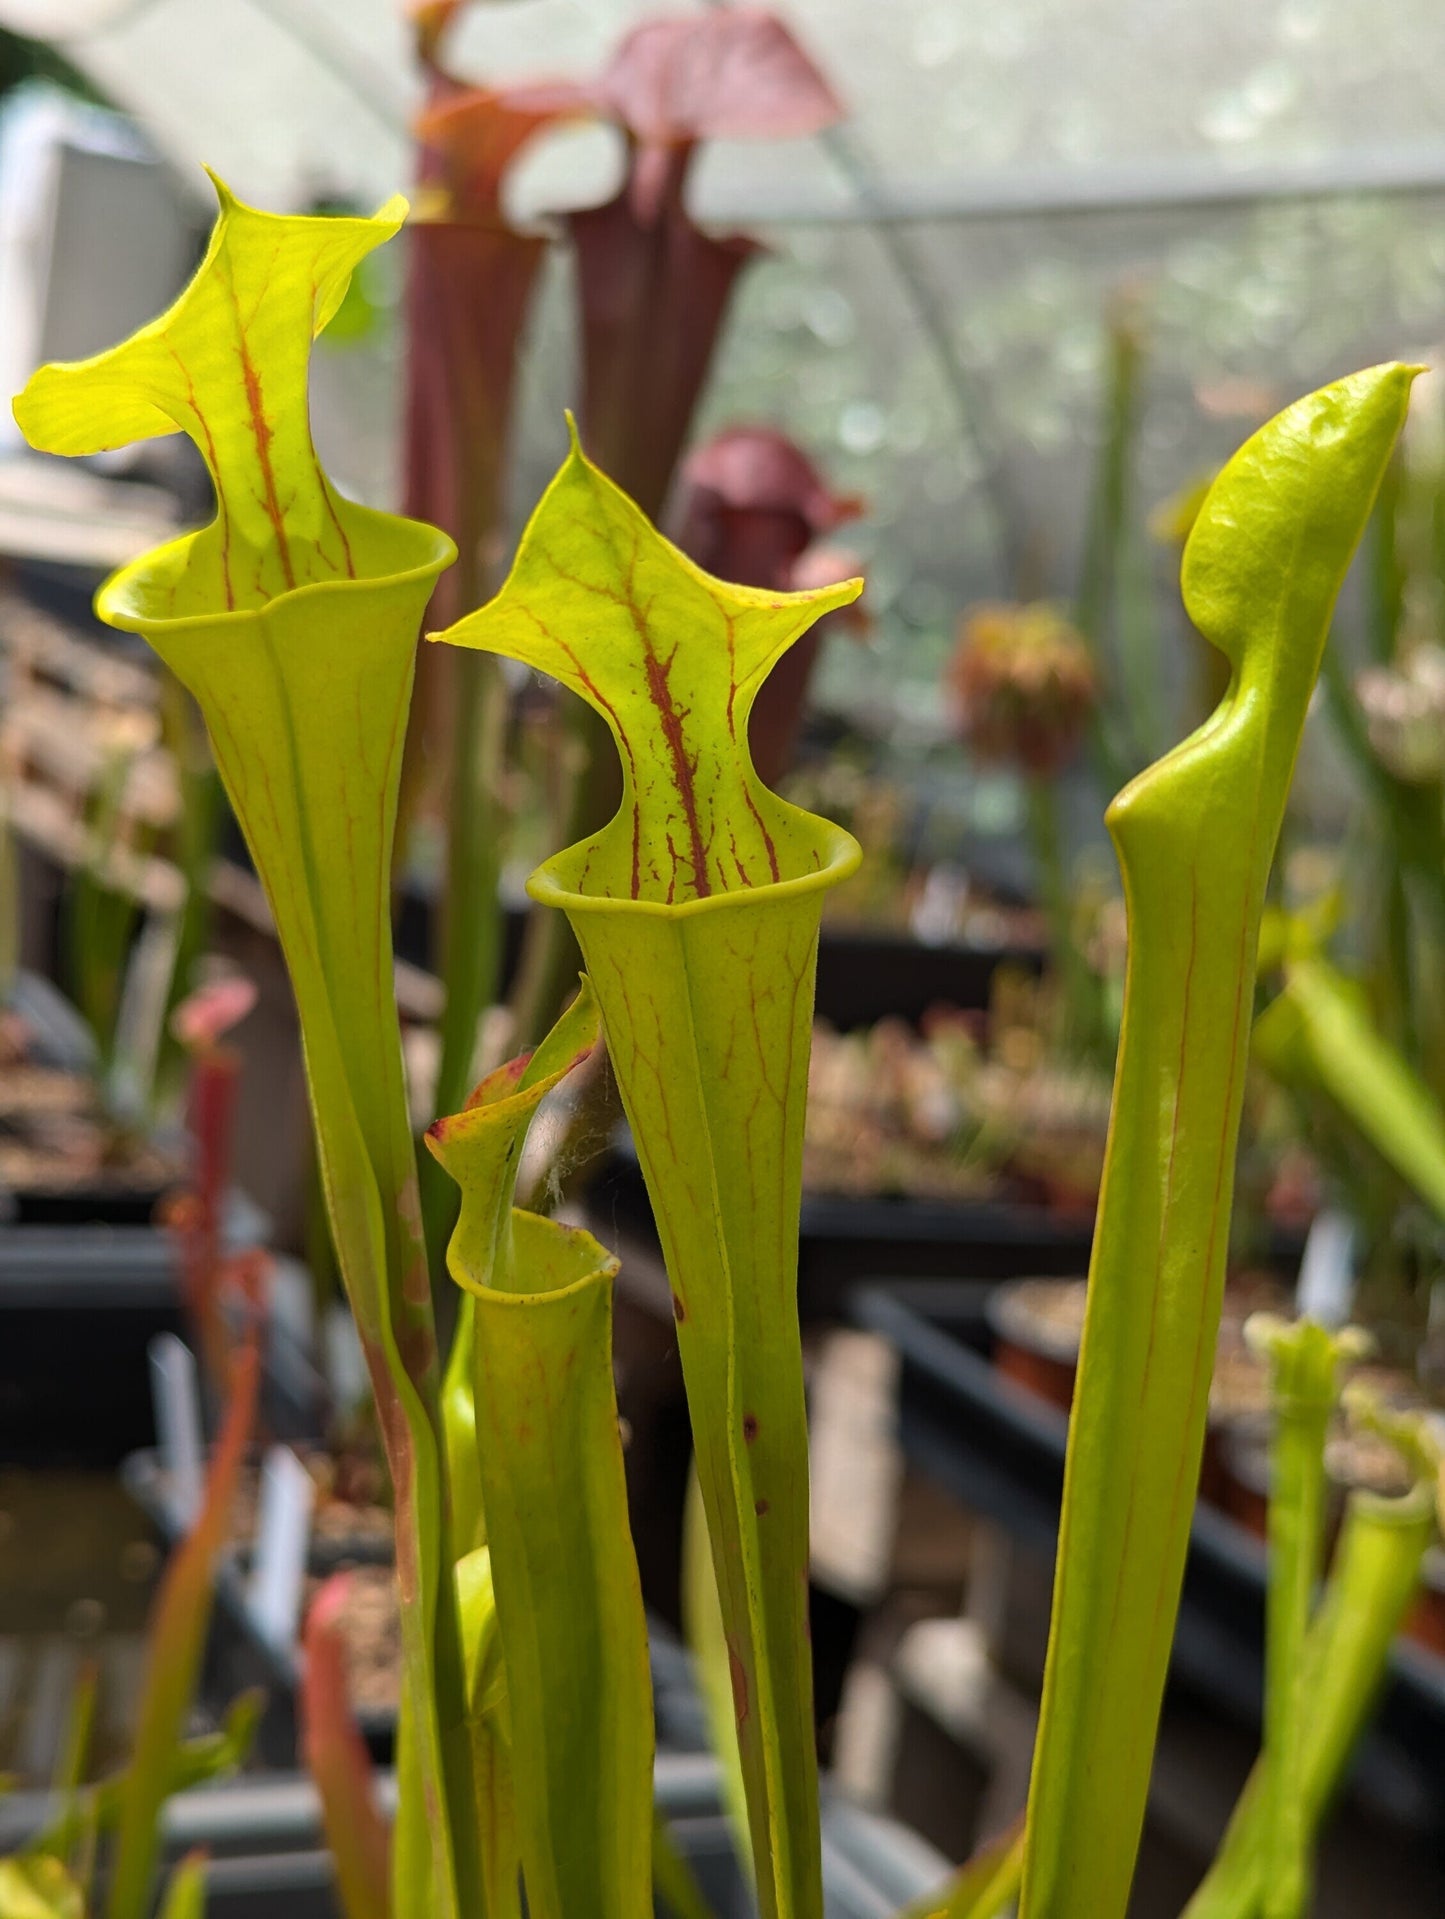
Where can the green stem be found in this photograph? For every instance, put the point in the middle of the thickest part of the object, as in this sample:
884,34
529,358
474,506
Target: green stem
488,1719
1398,1014
472,935
1296,1547
471,920
553,1491
1375,1576
551,958
1104,587
983,1887
194,837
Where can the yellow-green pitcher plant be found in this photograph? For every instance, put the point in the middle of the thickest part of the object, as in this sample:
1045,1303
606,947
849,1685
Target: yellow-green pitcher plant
526,1737
292,618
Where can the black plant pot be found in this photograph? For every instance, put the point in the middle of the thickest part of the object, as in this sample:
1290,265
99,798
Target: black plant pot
78,1310
79,1306
86,1282
865,976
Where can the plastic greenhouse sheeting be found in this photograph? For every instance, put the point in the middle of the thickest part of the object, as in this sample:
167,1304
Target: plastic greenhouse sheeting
1045,155
294,98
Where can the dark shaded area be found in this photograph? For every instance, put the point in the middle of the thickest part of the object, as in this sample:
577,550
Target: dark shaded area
22,59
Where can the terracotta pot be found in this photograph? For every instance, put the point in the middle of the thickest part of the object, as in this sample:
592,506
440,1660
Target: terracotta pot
1239,1388
1241,1450
1238,1404
1426,1623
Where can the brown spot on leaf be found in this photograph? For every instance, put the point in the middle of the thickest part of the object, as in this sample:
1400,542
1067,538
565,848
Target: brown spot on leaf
760,1506
750,1427
416,1346
679,1311
738,1673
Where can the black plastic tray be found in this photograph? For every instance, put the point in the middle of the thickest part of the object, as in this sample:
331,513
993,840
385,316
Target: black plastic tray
61,1039
843,1240
79,1306
863,975
238,1656
263,1838
78,1310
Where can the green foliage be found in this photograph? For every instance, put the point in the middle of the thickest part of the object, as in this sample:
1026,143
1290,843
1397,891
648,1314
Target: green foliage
25,60
194,842
1113,608
39,1887
50,1878
97,1809
459,1424
1318,1034
1304,1361
489,1727
100,920
470,275
707,1640
982,1888
1374,1576
177,1641
186,1892
673,1878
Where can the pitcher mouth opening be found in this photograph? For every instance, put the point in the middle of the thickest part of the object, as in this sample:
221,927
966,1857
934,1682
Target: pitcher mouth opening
186,581
559,881
560,1261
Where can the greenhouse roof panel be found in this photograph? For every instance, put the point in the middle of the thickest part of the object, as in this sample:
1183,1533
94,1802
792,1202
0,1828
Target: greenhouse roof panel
294,98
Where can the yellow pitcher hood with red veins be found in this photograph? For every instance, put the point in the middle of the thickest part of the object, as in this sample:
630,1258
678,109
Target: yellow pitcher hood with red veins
672,659
227,364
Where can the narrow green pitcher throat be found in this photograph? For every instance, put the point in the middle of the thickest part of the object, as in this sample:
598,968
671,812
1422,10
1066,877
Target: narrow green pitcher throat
804,854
